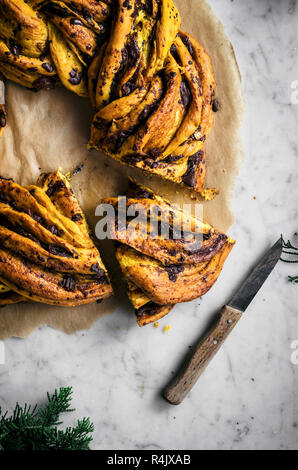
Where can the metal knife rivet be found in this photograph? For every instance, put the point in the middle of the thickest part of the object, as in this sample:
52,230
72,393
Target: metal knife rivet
215,341
230,321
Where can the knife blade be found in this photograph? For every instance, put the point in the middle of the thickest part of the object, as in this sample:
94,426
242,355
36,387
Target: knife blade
230,314
256,279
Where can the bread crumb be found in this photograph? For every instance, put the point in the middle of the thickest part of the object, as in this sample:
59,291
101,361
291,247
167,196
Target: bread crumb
209,194
156,324
254,198
167,328
224,170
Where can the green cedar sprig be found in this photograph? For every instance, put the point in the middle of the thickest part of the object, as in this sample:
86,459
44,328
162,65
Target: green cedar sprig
36,429
290,251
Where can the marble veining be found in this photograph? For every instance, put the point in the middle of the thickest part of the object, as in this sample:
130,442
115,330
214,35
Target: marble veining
247,399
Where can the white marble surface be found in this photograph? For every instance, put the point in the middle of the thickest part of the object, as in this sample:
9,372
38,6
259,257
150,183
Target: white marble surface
247,399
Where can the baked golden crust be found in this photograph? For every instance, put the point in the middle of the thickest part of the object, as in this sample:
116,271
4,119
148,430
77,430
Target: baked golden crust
44,42
174,96
46,253
171,284
8,296
162,270
174,248
151,313
150,84
146,311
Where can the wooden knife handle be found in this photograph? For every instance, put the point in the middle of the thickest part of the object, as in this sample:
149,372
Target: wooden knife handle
177,390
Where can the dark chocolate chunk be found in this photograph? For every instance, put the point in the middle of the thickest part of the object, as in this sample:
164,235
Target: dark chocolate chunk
151,163
75,77
154,153
117,140
175,54
95,268
189,177
73,73
48,67
126,4
44,83
145,114
148,309
132,159
54,187
69,283
118,74
187,43
133,51
215,106
173,270
131,84
59,251
76,217
185,93
76,22
171,159
14,48
206,236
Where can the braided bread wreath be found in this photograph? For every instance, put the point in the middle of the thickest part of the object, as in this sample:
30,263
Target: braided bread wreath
151,86
152,90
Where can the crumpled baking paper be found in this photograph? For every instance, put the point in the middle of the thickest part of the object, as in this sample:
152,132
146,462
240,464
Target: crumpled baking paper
48,130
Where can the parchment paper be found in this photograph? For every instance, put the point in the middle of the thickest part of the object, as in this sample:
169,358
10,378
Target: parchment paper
50,129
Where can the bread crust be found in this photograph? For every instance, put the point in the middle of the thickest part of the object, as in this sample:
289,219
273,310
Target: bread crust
47,254
155,280
150,84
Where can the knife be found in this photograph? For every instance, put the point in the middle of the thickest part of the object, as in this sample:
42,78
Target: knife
230,314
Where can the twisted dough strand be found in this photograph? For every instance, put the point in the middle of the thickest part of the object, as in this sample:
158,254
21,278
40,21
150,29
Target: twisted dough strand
160,270
46,253
151,86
